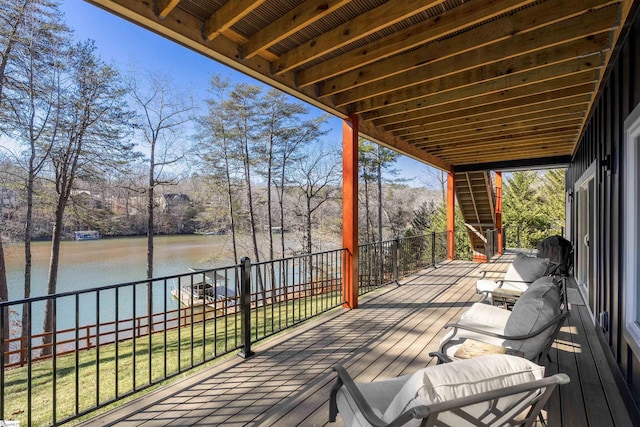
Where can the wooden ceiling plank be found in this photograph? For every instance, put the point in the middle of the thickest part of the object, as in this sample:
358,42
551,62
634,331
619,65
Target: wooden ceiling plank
388,140
461,149
496,102
535,110
227,16
568,95
165,7
544,149
557,120
515,35
481,65
483,134
453,88
383,16
510,158
505,139
537,148
463,16
296,19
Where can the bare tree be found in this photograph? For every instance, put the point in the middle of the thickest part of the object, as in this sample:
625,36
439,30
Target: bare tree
93,125
163,114
33,55
317,177
216,151
243,108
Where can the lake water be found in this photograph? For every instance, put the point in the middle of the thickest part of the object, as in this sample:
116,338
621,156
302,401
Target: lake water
92,263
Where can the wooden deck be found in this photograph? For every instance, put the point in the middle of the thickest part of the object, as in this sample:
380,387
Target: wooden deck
287,382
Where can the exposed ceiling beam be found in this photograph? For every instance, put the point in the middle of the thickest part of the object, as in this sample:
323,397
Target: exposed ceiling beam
463,16
228,15
438,147
561,119
509,154
357,28
455,88
484,64
460,110
388,140
164,7
533,111
517,164
491,135
536,30
290,23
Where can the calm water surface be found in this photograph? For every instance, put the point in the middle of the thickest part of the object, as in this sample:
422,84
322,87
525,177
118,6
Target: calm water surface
92,263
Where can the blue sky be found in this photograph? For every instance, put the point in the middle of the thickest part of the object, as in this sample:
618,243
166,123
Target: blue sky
125,45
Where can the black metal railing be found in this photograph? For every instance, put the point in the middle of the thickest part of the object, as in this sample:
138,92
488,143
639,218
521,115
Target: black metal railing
521,236
107,343
381,263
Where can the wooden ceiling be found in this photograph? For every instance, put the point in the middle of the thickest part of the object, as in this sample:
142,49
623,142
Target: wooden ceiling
457,84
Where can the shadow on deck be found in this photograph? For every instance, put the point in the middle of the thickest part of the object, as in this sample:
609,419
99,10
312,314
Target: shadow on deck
287,382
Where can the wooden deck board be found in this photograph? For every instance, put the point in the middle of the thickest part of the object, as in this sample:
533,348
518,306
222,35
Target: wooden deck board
288,381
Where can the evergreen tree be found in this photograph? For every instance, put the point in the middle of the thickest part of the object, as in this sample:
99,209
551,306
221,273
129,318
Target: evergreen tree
523,210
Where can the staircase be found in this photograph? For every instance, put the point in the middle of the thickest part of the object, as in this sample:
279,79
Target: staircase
474,192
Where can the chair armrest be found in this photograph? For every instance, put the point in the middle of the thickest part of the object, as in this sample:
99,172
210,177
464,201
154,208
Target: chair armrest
442,358
345,380
506,293
553,322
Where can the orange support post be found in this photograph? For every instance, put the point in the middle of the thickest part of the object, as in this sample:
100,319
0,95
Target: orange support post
451,216
499,211
350,211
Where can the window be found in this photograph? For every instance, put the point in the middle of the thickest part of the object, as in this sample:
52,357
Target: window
631,230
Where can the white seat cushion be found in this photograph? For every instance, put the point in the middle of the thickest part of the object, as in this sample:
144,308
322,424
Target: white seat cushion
463,378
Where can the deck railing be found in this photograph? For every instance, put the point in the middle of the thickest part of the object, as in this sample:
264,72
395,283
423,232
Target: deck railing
108,343
384,262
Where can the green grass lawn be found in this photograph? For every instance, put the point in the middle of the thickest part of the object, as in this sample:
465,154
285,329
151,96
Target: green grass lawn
119,369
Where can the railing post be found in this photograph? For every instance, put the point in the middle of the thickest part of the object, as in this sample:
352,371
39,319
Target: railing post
245,307
518,236
504,238
395,259
433,248
562,231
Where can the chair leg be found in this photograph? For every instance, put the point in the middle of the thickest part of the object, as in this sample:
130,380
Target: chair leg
542,421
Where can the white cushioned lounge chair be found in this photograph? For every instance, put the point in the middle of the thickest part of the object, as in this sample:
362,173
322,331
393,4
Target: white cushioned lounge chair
530,328
493,390
523,271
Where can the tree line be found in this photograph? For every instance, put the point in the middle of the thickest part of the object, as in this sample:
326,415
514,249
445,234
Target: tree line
85,145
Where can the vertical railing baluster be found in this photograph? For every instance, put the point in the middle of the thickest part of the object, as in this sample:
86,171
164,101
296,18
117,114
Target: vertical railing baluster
134,337
150,330
77,353
433,248
3,327
54,365
395,254
164,330
245,304
97,348
117,338
192,306
29,367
